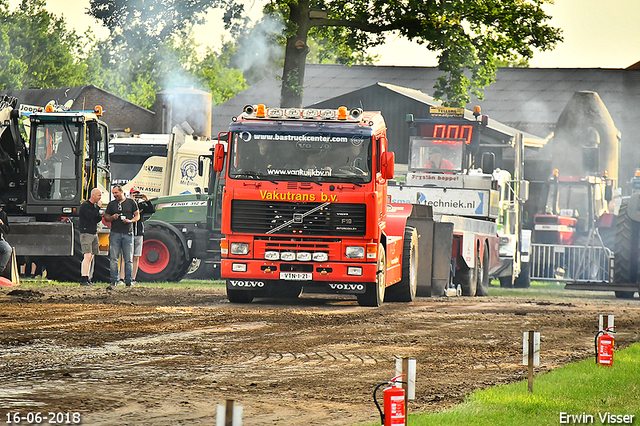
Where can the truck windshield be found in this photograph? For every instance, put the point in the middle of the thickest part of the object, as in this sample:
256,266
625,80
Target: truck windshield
55,162
303,156
433,154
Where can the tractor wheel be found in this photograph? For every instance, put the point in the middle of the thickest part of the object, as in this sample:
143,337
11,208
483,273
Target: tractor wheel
482,288
405,289
163,256
626,247
68,269
524,279
374,293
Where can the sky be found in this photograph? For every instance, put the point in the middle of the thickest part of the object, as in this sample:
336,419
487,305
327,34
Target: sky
597,34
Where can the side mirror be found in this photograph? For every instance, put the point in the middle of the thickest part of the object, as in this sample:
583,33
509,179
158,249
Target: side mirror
488,162
218,157
387,163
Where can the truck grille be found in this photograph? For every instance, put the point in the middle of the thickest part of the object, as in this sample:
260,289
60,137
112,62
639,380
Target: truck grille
277,218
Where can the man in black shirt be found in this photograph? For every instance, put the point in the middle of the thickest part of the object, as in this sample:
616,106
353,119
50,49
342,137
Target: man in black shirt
122,213
90,215
5,247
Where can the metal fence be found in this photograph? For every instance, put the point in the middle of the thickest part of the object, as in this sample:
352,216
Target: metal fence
550,262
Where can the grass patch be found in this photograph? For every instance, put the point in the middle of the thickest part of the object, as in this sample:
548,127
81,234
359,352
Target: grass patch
549,289
576,389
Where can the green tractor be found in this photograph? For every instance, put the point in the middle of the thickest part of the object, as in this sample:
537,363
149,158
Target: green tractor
182,237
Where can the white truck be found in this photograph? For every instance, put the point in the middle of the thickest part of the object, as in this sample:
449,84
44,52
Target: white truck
448,172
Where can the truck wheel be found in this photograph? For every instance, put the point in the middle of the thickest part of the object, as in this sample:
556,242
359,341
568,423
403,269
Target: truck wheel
466,277
625,294
626,248
163,257
374,293
405,289
239,296
482,288
505,282
524,279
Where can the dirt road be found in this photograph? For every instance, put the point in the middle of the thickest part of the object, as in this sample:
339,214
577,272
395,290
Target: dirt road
145,356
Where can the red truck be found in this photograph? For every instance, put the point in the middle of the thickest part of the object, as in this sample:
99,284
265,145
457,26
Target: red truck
305,206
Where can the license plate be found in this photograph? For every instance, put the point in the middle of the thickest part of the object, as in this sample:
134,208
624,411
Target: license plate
296,276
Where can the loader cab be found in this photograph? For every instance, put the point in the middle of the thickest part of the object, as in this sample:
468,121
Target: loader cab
68,156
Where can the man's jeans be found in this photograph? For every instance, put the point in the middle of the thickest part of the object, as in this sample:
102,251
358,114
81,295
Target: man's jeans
5,254
121,243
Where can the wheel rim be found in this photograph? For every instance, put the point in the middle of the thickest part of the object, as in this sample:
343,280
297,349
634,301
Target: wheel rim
155,257
413,271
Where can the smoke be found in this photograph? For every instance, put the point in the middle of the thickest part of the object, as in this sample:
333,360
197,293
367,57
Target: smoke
261,48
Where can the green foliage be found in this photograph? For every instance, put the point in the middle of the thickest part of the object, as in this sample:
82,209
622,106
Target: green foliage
469,36
37,50
151,48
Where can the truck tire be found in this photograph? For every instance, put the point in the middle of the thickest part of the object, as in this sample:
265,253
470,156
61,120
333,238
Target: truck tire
626,248
524,279
163,256
68,269
467,278
374,292
239,296
482,288
505,282
405,289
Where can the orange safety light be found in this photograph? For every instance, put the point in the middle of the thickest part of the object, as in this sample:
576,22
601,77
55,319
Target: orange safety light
48,108
372,251
476,111
98,110
342,113
260,111
556,172
637,173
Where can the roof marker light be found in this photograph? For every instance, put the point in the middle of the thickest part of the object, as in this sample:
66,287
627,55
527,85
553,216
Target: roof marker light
260,111
342,113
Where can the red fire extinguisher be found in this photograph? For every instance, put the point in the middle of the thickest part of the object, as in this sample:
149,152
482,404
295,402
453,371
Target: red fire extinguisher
604,346
393,401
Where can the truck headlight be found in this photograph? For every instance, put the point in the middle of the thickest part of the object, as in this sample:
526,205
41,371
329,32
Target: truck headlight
354,270
287,256
271,255
303,256
354,252
239,267
239,248
320,257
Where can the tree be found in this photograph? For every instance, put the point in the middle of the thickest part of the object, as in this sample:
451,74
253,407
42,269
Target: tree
469,36
151,47
36,49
